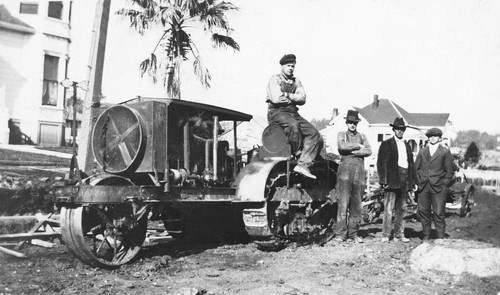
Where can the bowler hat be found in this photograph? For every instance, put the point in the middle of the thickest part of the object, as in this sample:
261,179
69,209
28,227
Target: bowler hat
288,58
399,123
434,132
352,116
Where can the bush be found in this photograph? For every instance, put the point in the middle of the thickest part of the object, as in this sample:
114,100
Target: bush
25,197
472,155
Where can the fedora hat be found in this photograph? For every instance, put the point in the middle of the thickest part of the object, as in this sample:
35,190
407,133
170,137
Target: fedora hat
399,123
352,116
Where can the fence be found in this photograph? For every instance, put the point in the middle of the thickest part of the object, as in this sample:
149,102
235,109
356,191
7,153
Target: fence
483,177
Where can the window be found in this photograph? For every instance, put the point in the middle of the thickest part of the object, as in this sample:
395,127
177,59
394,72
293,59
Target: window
28,8
380,137
55,9
50,134
50,84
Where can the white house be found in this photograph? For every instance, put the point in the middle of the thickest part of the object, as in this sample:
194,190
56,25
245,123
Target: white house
34,55
249,134
375,120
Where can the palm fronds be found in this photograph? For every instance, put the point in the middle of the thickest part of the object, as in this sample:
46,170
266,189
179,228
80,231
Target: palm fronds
224,41
202,72
149,65
176,44
214,17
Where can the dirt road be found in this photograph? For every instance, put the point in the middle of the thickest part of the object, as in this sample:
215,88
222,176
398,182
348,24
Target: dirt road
346,268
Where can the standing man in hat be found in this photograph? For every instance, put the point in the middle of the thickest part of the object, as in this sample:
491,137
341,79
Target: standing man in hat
434,165
284,94
351,178
396,173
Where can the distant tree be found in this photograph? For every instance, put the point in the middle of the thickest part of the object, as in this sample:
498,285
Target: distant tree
483,140
178,18
320,124
472,155
491,144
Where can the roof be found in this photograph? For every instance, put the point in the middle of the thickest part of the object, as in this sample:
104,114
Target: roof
10,22
386,110
208,110
222,113
426,119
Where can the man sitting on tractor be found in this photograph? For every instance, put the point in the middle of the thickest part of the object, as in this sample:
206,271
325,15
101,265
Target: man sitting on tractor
284,94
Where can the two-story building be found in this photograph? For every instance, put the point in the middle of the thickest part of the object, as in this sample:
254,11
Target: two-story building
34,56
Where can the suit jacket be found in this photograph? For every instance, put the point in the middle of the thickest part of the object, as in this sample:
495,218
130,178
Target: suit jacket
387,164
437,171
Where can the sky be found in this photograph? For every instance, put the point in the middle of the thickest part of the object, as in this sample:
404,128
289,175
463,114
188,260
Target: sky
425,55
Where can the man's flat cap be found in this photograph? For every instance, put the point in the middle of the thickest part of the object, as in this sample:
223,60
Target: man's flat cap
434,132
288,58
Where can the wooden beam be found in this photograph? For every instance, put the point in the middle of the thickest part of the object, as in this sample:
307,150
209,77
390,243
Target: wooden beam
42,243
12,252
29,236
42,221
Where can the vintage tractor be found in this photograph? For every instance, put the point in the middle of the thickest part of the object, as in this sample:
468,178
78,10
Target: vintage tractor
162,160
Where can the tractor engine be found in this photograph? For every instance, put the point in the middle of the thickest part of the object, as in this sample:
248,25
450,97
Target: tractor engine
131,140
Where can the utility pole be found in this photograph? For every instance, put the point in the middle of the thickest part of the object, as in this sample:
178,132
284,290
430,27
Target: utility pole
94,95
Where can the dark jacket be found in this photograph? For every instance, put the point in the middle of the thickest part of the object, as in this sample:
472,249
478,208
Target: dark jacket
387,164
436,170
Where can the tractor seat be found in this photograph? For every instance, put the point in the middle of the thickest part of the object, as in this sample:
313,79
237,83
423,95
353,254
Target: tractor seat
275,143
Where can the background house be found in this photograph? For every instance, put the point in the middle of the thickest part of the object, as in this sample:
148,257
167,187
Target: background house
376,118
34,55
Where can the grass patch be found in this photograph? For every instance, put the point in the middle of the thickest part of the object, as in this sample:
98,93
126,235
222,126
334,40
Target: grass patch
18,156
59,149
33,172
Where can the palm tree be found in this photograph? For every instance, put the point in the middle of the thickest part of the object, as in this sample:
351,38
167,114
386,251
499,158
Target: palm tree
177,17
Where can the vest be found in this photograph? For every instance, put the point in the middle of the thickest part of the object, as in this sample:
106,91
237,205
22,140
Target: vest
289,88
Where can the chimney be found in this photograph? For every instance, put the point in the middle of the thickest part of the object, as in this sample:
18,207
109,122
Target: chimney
335,113
375,101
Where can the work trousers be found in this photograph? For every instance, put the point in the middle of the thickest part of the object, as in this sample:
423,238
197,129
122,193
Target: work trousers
299,132
395,201
431,206
351,183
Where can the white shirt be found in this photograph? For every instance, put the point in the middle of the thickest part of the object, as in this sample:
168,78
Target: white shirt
433,148
402,157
